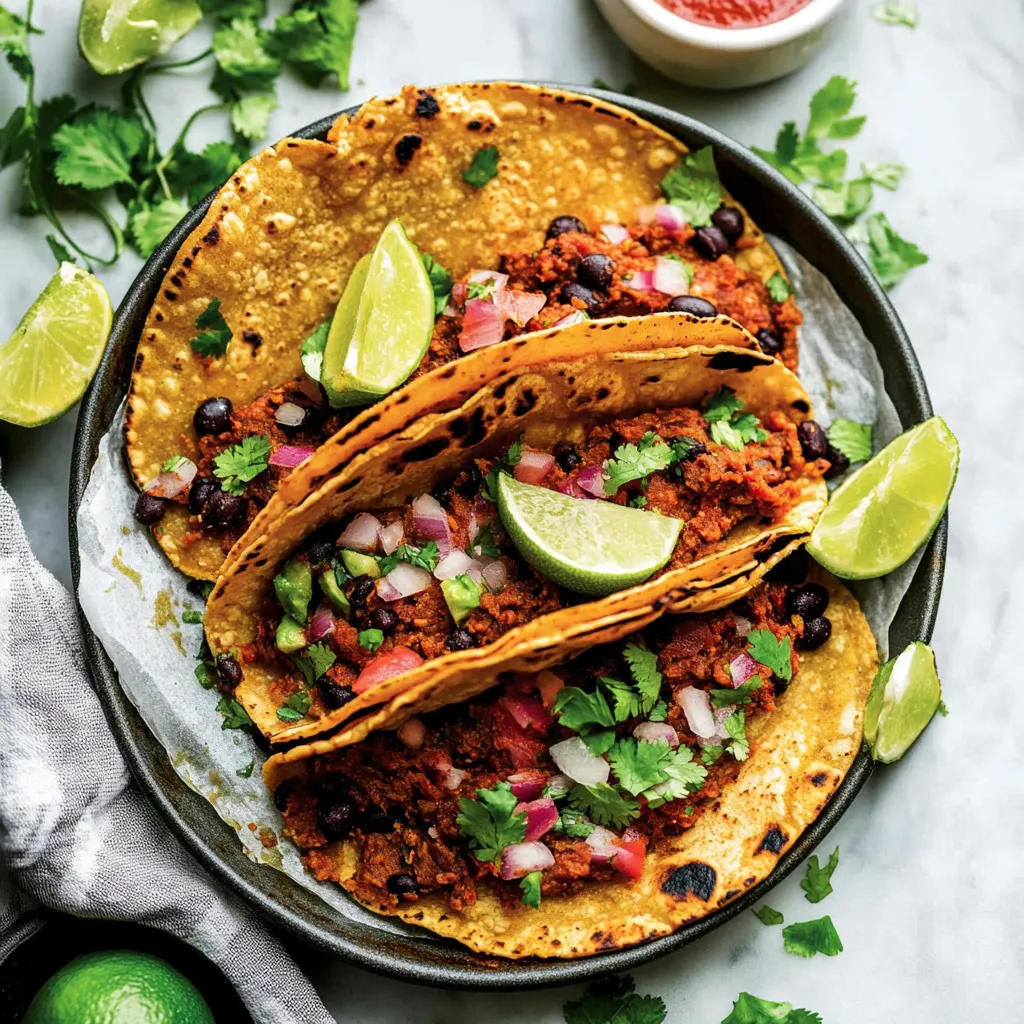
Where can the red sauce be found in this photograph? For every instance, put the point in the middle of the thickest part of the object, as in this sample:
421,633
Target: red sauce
733,13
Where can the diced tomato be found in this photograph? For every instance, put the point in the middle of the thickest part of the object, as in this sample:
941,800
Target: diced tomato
510,736
632,851
384,666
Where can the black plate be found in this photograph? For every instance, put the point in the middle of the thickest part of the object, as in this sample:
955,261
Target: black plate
776,206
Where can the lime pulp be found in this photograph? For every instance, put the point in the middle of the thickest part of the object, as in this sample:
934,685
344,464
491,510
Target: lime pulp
589,546
889,508
115,35
383,324
904,697
53,353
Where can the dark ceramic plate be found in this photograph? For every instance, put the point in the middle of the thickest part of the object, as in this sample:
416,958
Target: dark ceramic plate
776,206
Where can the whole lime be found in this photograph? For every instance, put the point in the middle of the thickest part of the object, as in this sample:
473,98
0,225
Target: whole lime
118,987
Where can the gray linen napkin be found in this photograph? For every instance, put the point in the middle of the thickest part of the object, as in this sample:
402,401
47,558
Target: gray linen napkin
75,833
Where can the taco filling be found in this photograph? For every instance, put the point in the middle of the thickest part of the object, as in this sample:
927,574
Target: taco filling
564,778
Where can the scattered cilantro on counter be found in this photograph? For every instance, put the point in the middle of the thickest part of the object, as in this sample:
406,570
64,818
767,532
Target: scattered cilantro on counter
483,167
215,334
809,937
191,617
943,710
894,13
768,915
853,439
694,187
490,823
768,650
614,1001
750,1009
240,463
295,707
817,883
892,257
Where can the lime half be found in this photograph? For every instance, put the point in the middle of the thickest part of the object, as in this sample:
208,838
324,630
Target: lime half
53,353
383,324
115,35
886,510
905,695
589,546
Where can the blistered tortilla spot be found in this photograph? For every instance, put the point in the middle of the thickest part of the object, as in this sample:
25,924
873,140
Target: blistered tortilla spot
773,841
696,878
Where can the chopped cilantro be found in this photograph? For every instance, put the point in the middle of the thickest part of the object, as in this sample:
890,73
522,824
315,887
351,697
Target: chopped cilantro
736,729
235,716
295,707
574,824
604,804
240,463
214,333
853,439
740,695
640,501
173,464
440,281
503,464
638,765
730,426
659,712
643,667
530,885
480,289
191,616
817,883
581,711
636,462
425,557
490,823
314,661
682,447
886,175
694,187
599,742
312,350
722,406
613,1001
370,639
844,201
809,937
246,772
943,710
483,167
768,650
778,288
894,13
206,674
710,754
483,543
829,107
768,915
750,1009
683,777
198,174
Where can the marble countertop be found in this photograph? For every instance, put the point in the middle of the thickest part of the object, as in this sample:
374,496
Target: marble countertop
928,891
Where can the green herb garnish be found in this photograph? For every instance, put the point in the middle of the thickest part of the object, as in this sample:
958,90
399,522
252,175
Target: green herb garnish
240,463
490,823
484,166
774,653
215,333
809,937
817,883
370,639
768,915
853,439
295,707
694,187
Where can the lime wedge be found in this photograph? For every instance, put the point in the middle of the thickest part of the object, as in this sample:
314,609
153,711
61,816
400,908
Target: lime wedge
591,547
53,353
885,511
383,324
115,35
905,695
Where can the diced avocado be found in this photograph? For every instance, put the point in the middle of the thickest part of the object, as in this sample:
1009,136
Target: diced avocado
462,595
332,591
294,589
360,565
290,637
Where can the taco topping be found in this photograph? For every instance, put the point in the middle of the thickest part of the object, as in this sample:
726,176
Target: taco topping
569,776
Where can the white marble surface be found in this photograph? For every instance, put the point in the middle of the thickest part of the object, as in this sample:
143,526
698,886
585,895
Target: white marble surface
928,896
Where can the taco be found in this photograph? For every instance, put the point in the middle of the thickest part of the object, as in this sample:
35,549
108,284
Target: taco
605,802
219,411
396,568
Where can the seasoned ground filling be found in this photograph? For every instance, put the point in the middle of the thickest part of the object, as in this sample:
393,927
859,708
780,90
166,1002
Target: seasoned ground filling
399,803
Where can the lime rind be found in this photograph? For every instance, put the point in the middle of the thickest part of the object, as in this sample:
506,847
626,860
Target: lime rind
904,697
591,547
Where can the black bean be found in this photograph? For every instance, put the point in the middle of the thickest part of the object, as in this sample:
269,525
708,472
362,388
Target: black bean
461,640
443,493
812,440
229,670
840,463
376,819
199,494
281,794
816,632
768,341
792,569
595,271
403,885
148,509
808,601
695,447
334,695
337,819
470,486
710,242
729,221
567,456
384,619
362,588
779,686
213,416
320,550
574,290
692,304
560,225
223,509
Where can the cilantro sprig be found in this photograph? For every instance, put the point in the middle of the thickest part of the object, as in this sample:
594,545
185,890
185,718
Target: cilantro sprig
853,439
769,650
750,1009
295,707
237,465
694,187
637,461
215,334
314,661
482,168
614,1001
440,281
490,823
728,424
425,557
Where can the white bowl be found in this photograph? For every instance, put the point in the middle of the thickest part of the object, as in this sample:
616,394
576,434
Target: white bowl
719,58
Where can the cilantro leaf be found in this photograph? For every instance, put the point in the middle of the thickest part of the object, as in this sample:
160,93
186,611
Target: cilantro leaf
440,280
722,405
295,707
782,157
480,289
829,105
599,742
490,823
150,224
846,201
634,463
750,1009
624,697
483,167
768,915
312,350
895,13
853,439
370,639
694,187
740,695
235,716
613,1001
778,288
322,658
643,667
198,174
809,937
736,729
212,341
250,115
886,175
96,150
729,426
659,712
573,824
638,765
943,710
240,463
604,804
191,617
581,711
14,43
710,754
817,883
425,557
225,10
530,885
768,650
892,257
246,772
206,675
317,38
243,62
683,777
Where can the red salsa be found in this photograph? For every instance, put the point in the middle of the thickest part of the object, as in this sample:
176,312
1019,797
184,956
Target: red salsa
733,13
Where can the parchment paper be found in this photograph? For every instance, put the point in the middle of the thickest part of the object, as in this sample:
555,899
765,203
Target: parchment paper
134,599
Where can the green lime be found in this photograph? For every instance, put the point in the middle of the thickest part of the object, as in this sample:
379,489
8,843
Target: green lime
905,695
53,353
383,324
118,987
592,547
115,35
885,511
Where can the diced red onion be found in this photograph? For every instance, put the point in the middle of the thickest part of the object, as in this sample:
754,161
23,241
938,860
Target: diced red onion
719,735
665,214
521,859
541,817
171,485
520,307
412,732
592,479
528,785
572,488
290,415
743,625
384,666
559,785
615,233
431,522
391,537
577,316
455,563
696,707
321,625
288,456
361,534
741,668
495,575
670,276
483,276
640,280
574,758
454,778
403,581
532,466
483,325
602,845
527,711
652,732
